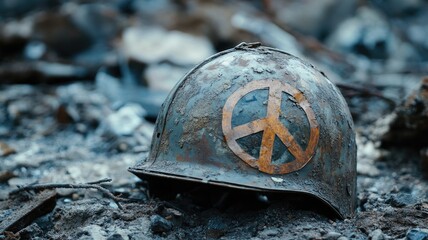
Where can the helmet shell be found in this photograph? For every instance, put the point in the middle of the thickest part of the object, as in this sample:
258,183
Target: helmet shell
261,119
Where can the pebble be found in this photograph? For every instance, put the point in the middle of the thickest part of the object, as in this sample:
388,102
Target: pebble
367,33
94,231
417,234
216,228
159,224
401,200
332,235
269,232
126,119
115,236
163,76
343,238
31,232
377,235
177,47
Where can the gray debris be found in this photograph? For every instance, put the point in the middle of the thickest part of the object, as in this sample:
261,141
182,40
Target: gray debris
269,233
177,47
417,234
60,33
377,235
314,17
126,119
401,200
332,235
366,34
160,225
164,76
216,228
398,7
268,32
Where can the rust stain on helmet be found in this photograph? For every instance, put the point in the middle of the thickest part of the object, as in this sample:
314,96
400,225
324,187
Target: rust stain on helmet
252,114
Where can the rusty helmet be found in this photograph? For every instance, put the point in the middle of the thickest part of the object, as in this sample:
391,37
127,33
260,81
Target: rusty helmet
257,118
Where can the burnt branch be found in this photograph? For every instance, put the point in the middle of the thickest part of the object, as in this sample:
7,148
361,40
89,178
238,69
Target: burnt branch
90,185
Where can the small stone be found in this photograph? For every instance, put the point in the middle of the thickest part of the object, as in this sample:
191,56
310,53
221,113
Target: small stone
115,236
343,238
6,150
311,235
332,235
417,234
126,120
35,50
31,232
377,235
216,228
401,200
366,34
159,224
94,231
269,232
163,76
177,47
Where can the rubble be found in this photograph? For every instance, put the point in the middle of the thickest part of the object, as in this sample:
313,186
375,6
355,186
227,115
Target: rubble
18,213
410,125
41,72
82,83
124,88
216,228
164,76
378,235
401,200
268,32
367,154
160,225
161,45
125,120
417,234
313,18
366,34
269,233
332,236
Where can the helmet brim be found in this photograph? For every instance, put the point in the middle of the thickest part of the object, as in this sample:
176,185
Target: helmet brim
149,174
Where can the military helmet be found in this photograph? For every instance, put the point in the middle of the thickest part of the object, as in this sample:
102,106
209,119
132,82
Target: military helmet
257,118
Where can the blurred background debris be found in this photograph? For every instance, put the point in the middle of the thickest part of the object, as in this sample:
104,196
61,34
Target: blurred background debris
82,82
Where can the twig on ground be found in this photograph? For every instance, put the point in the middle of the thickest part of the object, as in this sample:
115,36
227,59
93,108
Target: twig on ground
105,180
89,185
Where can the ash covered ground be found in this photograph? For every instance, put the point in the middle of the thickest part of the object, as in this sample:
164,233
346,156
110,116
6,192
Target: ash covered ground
82,83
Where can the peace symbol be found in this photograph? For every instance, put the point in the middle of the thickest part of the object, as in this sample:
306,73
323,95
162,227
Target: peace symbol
271,127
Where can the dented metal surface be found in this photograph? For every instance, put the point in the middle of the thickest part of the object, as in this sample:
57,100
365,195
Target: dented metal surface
249,116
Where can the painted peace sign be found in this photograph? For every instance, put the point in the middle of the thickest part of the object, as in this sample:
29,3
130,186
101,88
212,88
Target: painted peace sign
271,127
